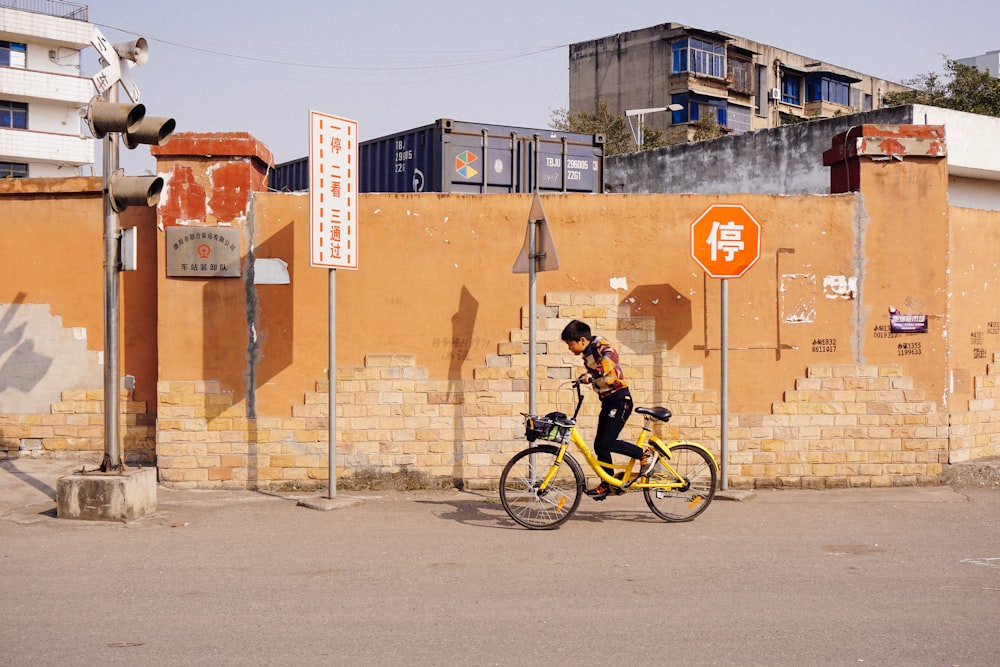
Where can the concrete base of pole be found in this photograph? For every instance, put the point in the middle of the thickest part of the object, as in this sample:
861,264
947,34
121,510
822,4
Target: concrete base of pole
107,496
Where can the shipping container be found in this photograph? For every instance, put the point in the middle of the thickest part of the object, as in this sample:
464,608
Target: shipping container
461,157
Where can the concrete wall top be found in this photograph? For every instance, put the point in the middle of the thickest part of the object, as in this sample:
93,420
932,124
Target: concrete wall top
788,160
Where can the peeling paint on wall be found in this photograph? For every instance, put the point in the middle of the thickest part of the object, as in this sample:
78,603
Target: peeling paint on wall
619,283
840,287
798,298
40,358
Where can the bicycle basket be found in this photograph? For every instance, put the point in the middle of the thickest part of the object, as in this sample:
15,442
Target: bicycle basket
554,426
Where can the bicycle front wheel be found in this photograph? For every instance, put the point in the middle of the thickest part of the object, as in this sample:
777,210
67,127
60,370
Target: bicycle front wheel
529,506
697,476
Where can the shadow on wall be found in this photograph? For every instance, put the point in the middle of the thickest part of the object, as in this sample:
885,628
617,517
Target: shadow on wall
463,324
270,315
670,310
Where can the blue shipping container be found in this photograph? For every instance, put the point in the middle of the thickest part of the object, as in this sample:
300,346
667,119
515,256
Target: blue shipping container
455,156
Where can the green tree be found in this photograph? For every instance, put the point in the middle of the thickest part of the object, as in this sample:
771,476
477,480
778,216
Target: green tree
706,128
618,137
962,87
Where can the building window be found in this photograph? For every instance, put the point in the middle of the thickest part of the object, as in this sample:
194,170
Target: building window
828,89
739,76
697,107
739,118
791,89
12,54
13,170
14,114
700,57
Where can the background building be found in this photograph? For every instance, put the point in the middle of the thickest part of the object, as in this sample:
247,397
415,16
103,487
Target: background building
42,90
989,62
741,84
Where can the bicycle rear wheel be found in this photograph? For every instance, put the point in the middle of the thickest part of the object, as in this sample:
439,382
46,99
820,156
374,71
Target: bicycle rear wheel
697,471
541,509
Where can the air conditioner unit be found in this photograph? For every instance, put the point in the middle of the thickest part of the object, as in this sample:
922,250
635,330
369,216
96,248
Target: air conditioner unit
774,94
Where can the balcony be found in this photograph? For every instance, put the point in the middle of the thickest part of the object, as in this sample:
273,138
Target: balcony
31,146
36,85
63,10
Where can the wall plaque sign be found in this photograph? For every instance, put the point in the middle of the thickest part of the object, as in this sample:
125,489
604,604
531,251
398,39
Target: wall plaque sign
203,252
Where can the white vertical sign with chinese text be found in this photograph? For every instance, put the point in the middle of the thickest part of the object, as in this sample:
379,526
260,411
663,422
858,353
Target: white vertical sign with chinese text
333,192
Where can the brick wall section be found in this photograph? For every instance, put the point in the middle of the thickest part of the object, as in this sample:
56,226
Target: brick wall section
840,426
976,434
391,416
75,428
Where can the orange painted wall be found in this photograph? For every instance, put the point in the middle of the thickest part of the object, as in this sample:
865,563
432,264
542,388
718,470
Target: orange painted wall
435,280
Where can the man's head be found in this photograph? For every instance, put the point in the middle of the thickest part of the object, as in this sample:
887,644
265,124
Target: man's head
576,335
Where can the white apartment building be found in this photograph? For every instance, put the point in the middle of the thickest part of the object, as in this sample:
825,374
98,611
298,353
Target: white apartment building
42,89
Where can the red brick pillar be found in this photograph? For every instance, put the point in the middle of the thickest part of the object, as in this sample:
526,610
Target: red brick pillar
872,143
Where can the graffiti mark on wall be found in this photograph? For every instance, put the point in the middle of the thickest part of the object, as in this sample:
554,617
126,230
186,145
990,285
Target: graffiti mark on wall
840,287
798,298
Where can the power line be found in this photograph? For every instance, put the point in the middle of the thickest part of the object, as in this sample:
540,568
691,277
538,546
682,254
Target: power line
515,54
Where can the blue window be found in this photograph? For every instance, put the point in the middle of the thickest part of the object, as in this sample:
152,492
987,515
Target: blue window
825,88
13,170
700,57
14,114
697,107
791,89
12,54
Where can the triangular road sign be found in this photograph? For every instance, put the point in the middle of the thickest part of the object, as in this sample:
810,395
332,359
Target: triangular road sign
546,258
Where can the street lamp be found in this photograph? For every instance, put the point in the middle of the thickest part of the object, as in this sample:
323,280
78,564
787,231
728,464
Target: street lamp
639,114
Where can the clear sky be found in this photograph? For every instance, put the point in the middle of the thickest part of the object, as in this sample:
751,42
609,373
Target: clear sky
260,67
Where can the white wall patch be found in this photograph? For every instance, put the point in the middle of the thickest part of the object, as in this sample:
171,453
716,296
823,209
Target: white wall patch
840,287
619,283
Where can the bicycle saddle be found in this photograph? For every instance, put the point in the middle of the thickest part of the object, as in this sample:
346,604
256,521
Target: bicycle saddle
663,414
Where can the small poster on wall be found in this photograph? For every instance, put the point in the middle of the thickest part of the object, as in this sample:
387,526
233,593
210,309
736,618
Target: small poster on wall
900,323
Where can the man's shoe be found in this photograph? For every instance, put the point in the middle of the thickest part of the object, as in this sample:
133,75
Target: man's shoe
648,462
599,492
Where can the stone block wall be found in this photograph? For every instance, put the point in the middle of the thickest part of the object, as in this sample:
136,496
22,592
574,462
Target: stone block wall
75,427
976,434
842,426
839,426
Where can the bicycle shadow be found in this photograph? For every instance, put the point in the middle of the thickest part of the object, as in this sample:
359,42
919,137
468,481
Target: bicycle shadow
483,510
473,508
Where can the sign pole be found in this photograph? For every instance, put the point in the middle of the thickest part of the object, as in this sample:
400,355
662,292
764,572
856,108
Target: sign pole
332,376
532,294
725,242
724,386
333,235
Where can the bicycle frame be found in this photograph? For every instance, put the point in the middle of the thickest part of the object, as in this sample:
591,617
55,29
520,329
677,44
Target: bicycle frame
629,480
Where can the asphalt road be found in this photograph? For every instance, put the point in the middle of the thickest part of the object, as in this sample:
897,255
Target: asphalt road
867,577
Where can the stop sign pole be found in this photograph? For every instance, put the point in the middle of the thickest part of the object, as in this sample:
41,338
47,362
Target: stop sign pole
725,242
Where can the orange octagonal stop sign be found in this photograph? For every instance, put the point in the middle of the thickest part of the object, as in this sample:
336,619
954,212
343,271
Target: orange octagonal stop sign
725,240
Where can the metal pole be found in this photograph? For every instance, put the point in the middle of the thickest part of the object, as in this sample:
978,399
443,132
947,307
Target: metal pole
725,385
332,375
532,274
112,452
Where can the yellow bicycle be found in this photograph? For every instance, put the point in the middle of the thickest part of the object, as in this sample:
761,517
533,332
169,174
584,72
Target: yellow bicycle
541,486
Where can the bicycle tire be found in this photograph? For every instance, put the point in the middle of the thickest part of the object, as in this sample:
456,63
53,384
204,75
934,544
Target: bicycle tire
698,470
519,494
